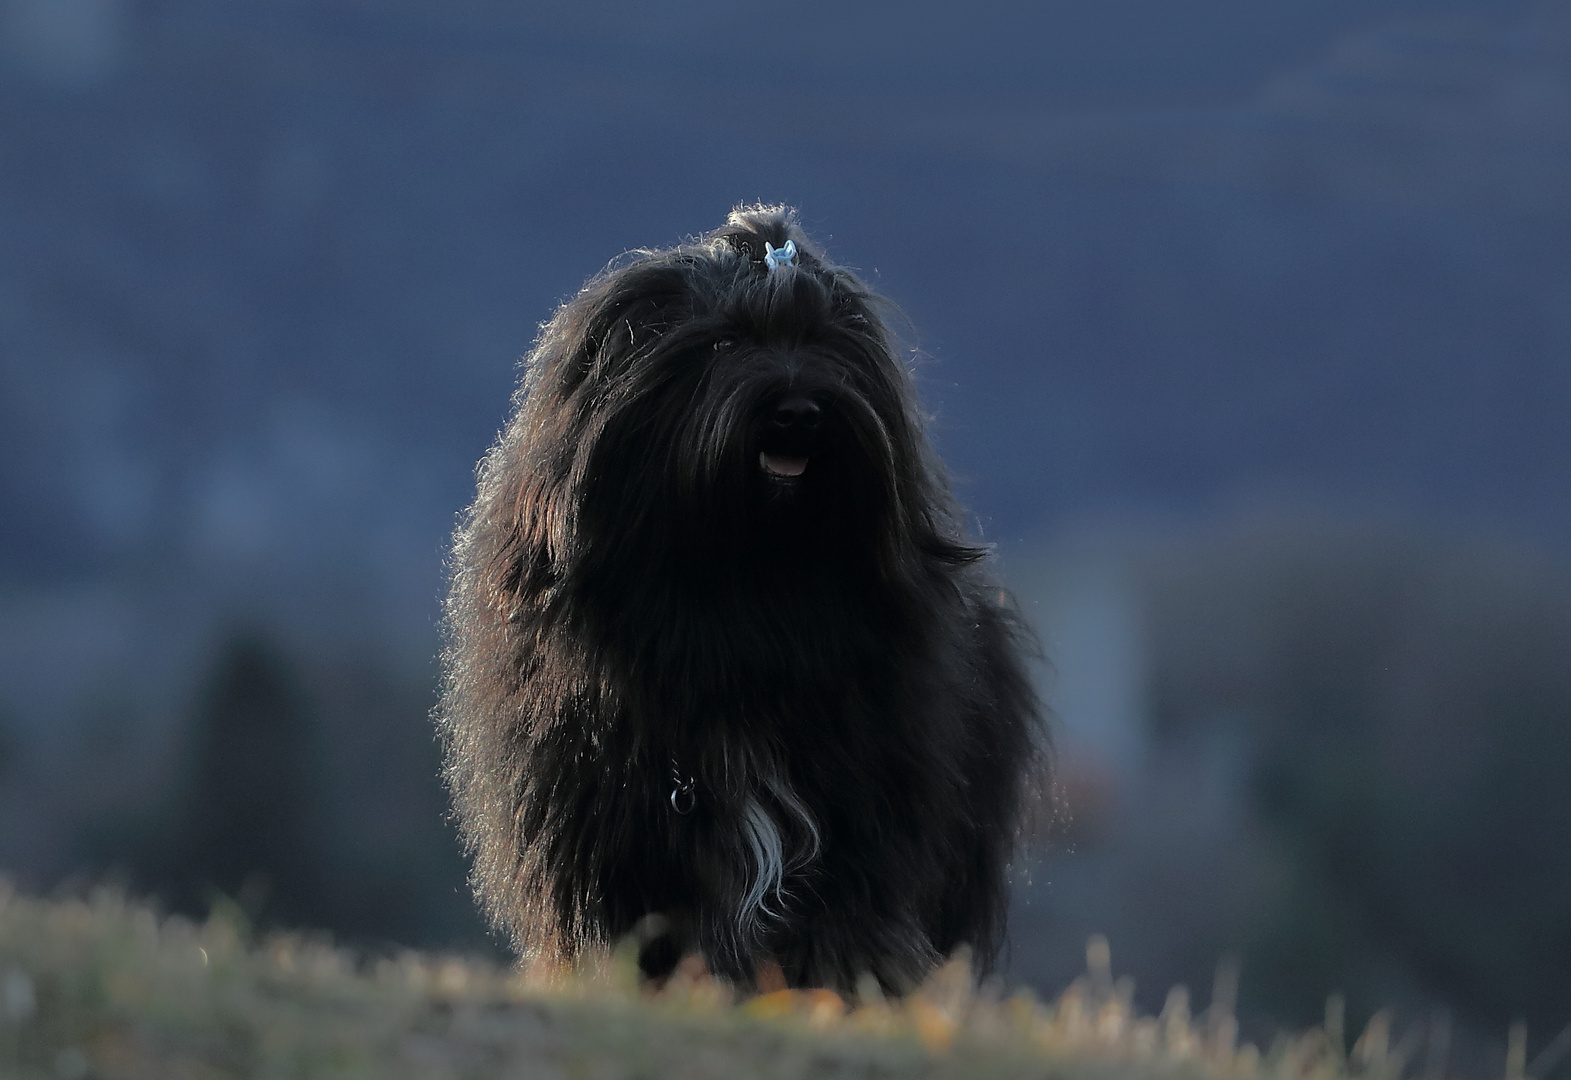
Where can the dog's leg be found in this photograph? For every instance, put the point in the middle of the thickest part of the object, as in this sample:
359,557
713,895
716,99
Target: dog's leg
663,943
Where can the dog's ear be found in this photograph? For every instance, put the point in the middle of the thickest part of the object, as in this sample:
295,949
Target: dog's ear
618,313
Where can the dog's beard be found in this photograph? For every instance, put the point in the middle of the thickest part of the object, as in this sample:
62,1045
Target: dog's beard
765,474
818,497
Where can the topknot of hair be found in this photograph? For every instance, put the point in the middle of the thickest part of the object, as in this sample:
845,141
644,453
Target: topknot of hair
749,228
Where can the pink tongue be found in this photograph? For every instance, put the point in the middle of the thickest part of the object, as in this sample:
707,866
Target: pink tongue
782,466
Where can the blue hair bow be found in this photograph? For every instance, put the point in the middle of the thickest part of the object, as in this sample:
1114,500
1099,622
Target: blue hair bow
776,257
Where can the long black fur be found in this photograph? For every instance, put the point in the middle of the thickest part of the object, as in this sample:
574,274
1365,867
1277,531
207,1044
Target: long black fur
789,715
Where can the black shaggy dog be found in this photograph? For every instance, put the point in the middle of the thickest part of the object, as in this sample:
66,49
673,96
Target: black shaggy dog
718,648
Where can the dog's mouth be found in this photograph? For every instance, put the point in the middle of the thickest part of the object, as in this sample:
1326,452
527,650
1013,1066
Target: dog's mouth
783,466
792,428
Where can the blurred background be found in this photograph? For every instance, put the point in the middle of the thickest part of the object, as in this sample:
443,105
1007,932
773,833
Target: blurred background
1246,330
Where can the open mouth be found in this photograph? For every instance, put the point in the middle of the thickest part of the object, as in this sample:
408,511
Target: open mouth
782,465
790,433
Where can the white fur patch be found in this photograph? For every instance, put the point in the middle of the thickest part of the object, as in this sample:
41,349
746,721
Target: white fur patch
798,809
763,838
765,897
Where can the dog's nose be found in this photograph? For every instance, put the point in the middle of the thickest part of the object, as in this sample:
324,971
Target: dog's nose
797,414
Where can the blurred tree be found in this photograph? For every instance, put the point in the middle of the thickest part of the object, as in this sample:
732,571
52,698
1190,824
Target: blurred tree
1409,710
308,792
250,822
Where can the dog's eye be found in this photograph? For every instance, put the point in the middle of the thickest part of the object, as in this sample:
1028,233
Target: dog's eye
723,344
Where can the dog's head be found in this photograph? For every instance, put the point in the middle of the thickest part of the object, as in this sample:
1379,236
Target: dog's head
733,403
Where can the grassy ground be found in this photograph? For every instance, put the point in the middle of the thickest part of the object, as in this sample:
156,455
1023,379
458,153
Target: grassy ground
104,988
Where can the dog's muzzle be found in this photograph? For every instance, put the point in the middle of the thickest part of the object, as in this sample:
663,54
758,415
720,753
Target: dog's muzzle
790,436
